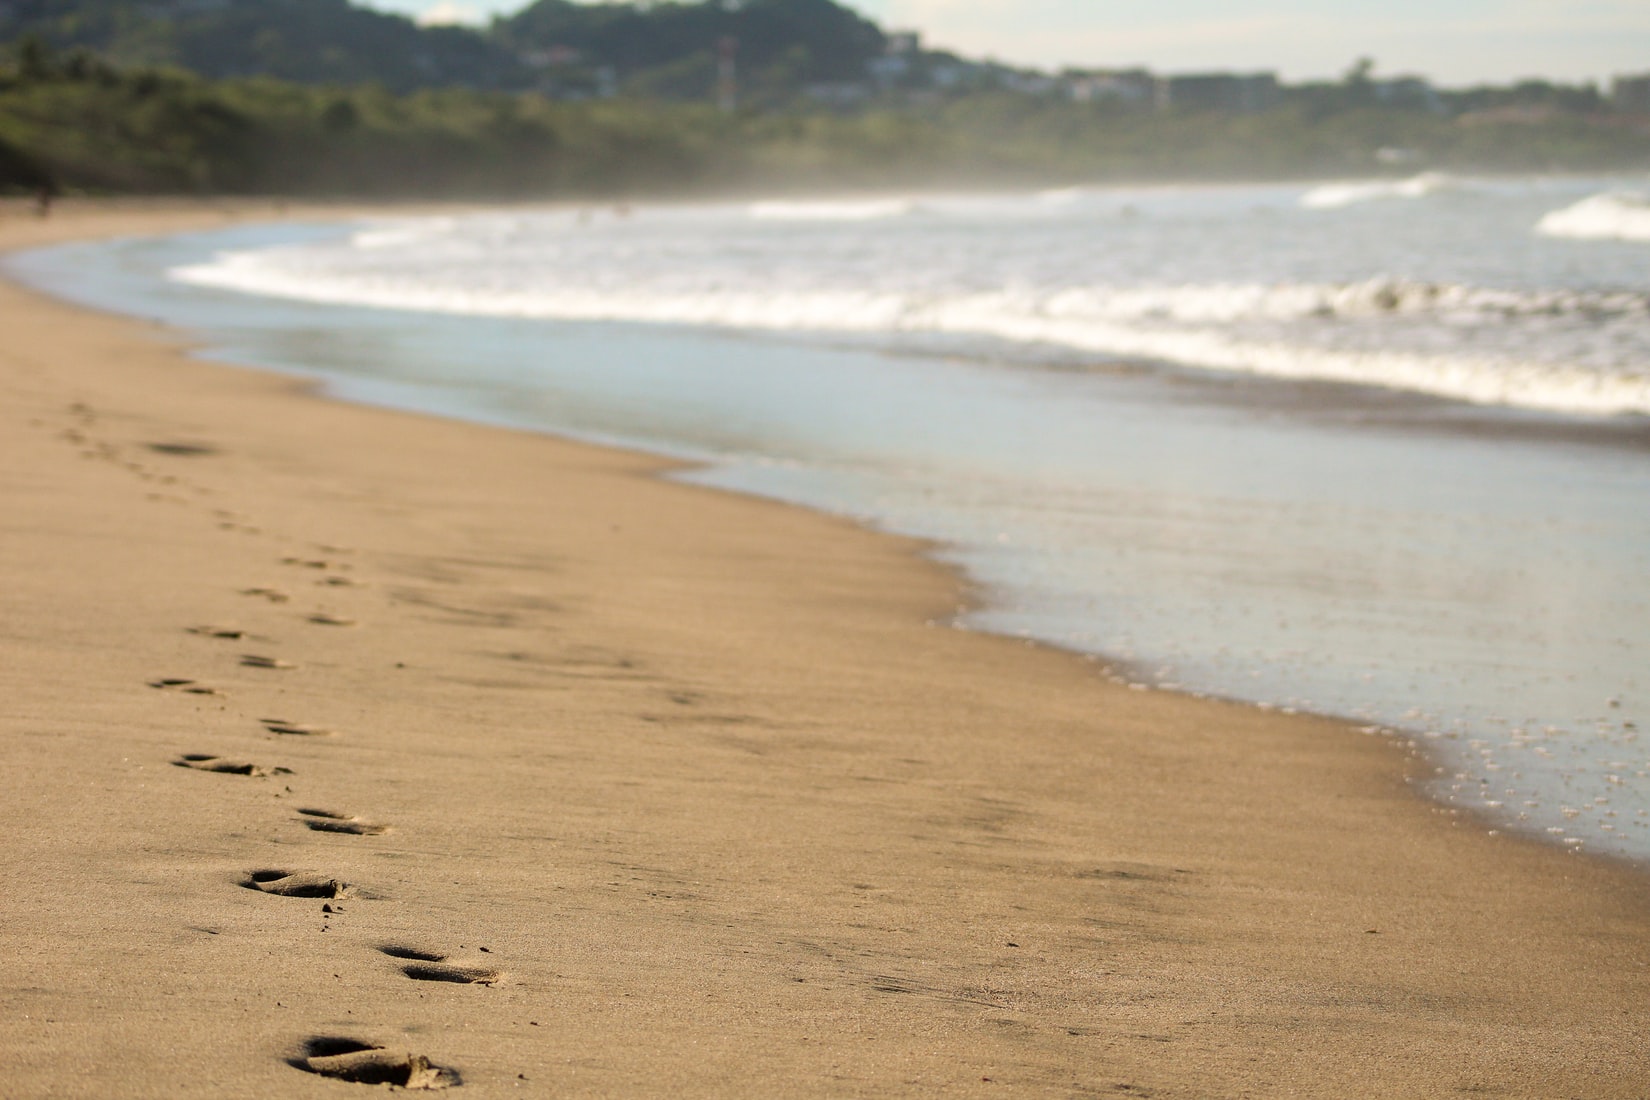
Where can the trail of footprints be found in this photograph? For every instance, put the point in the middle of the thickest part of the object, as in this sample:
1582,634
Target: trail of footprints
340,1057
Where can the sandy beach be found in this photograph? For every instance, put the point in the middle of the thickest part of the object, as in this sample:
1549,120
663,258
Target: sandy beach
350,744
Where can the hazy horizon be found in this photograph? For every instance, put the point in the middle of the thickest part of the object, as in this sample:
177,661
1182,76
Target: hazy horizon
1454,42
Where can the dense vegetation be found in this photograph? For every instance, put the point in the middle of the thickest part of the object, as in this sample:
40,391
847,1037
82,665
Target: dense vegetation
90,127
306,41
670,50
667,50
366,104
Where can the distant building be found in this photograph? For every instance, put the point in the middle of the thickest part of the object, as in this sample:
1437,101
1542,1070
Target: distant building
1236,93
1631,93
1128,87
554,57
901,51
903,43
888,69
950,75
1026,83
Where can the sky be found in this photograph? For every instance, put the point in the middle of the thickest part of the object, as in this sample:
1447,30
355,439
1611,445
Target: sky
1455,42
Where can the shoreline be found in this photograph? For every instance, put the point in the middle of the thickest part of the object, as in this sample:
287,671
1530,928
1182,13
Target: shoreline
993,861
1409,425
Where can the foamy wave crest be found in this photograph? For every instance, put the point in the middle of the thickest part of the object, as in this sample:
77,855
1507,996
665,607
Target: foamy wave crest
1450,302
1614,215
1251,329
865,211
400,233
1333,195
1480,380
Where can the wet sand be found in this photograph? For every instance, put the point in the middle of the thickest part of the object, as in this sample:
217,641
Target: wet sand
621,787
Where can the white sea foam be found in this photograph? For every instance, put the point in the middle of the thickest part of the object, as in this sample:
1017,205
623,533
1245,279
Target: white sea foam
1193,325
1200,281
400,232
1614,215
1333,195
867,210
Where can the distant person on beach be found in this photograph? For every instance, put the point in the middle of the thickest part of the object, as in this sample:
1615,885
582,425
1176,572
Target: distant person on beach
43,197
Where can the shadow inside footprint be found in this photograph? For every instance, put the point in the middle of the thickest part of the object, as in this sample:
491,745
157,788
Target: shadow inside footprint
178,683
447,972
254,660
296,884
205,762
399,951
295,729
183,450
365,1064
228,633
326,821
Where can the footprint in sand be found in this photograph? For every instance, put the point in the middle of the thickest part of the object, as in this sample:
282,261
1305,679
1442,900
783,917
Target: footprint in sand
205,762
417,954
432,966
177,683
228,633
183,450
295,729
329,821
316,563
296,884
323,619
273,595
367,1064
253,660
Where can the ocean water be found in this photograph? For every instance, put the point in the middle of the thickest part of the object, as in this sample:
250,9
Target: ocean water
1378,449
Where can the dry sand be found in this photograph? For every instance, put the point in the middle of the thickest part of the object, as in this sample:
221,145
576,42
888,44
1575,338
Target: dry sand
683,795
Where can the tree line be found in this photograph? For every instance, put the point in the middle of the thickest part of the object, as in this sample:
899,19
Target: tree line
77,122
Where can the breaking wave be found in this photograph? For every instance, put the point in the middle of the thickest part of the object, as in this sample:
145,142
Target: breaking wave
868,210
1333,195
1613,216
1263,330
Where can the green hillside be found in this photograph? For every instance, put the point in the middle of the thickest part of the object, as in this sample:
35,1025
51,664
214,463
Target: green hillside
318,97
308,41
666,50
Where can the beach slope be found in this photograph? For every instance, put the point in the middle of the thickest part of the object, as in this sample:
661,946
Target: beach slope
344,746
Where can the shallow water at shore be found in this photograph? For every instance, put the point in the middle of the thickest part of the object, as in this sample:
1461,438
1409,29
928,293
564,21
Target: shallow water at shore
1472,577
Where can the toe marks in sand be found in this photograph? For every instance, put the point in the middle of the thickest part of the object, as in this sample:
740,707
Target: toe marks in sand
367,1064
330,821
296,884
